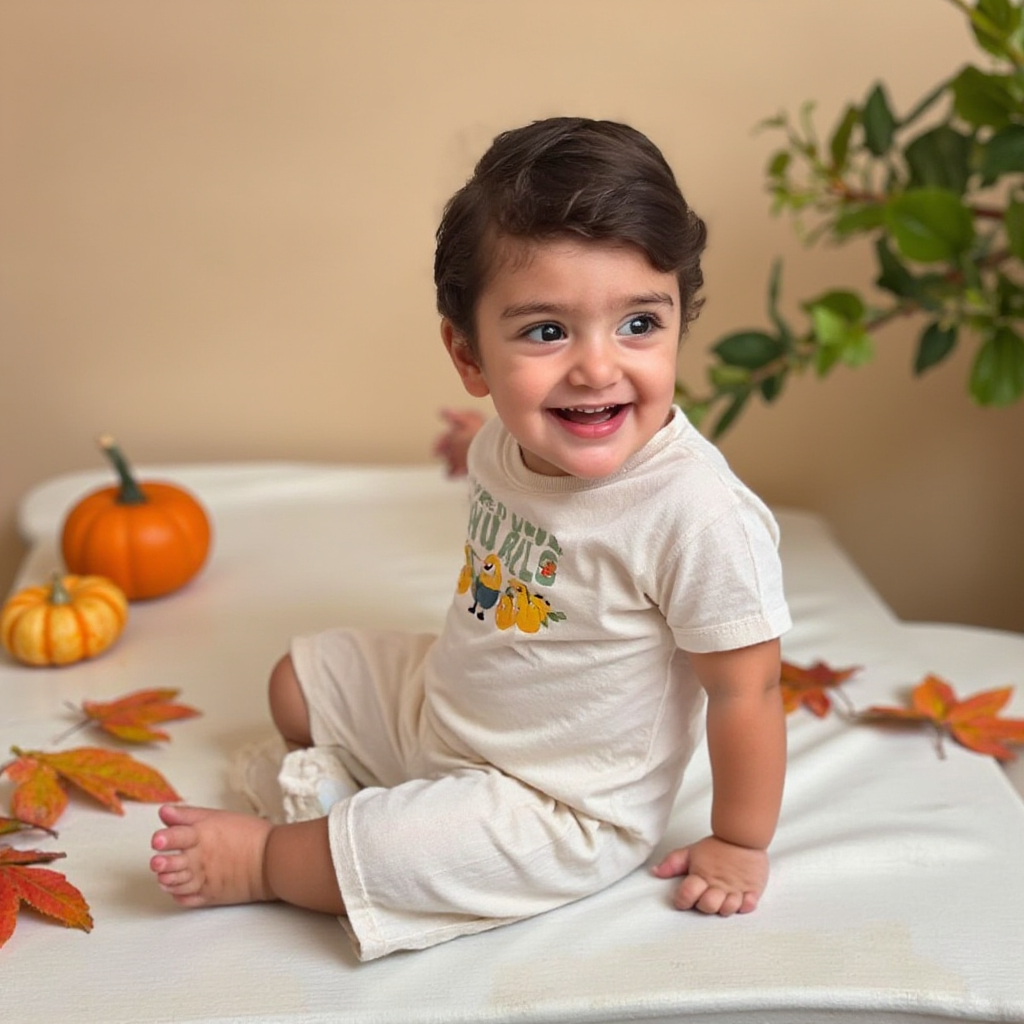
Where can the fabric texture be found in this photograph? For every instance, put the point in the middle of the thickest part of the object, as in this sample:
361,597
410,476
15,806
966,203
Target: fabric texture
531,753
284,785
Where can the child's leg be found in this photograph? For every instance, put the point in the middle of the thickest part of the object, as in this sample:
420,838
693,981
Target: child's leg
288,705
209,857
213,858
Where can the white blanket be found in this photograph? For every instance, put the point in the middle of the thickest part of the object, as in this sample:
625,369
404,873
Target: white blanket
897,891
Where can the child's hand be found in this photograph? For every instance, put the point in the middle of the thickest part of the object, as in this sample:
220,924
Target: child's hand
453,444
721,878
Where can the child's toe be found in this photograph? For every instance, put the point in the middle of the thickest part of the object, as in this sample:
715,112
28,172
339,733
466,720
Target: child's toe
177,881
177,837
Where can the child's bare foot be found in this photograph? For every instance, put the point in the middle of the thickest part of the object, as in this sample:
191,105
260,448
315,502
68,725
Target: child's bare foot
210,858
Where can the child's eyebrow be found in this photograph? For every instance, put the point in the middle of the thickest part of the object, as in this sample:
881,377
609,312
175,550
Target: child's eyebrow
557,309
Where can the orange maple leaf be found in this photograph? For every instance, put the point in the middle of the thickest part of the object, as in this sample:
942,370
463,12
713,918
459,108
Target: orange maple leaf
10,825
809,686
44,890
132,717
40,795
974,722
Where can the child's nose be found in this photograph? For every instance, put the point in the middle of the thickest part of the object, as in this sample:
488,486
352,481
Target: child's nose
594,366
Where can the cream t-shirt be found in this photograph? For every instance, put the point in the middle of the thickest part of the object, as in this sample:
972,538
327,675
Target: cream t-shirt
563,656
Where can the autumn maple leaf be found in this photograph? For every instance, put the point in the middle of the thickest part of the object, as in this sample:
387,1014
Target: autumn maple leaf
809,686
43,889
40,795
973,722
11,825
131,718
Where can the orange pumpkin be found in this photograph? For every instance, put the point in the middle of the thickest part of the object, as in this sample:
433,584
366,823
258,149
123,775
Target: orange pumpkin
149,538
75,617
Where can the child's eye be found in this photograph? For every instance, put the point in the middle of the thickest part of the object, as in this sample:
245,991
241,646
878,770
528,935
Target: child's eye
639,325
546,333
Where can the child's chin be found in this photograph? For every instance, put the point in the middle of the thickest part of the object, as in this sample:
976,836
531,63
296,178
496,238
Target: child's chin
593,468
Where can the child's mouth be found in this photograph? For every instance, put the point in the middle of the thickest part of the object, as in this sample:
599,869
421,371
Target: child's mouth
587,415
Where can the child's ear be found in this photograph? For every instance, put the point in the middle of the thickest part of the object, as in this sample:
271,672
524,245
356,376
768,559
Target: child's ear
465,362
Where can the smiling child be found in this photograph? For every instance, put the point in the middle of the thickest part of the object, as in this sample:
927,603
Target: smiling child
620,589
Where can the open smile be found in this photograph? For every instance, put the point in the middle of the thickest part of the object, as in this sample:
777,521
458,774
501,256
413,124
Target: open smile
588,414
590,421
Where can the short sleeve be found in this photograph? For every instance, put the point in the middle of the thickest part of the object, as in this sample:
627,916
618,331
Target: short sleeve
725,588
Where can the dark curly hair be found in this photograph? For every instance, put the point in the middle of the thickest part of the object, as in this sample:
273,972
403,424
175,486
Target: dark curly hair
564,176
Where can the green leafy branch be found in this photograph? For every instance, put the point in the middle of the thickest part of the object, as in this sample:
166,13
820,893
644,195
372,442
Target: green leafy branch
940,194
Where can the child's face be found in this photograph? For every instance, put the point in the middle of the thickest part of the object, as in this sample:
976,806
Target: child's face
577,346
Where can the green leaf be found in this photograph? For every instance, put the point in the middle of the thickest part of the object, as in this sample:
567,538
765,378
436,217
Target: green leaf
879,124
749,349
1010,297
695,412
936,342
837,318
997,377
856,219
994,22
925,104
825,358
809,145
983,100
771,387
939,157
1001,15
830,328
1003,153
779,163
930,224
1014,224
932,290
774,287
893,275
859,349
839,144
726,420
729,378
845,305
779,120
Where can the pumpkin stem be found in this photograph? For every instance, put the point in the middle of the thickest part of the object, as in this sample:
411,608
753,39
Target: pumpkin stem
58,592
130,493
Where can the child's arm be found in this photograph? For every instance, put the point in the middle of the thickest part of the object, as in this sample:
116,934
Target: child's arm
727,871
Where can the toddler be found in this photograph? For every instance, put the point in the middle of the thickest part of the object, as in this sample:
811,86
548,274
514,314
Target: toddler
620,589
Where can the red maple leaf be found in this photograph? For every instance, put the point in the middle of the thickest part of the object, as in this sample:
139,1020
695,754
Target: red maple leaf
40,795
809,686
973,722
43,889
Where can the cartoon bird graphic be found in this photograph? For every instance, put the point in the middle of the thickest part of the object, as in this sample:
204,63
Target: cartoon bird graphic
486,586
466,573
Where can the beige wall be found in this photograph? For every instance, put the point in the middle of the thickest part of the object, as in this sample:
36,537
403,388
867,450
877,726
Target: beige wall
216,225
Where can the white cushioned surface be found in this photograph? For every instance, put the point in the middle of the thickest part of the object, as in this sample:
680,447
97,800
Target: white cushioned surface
897,891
